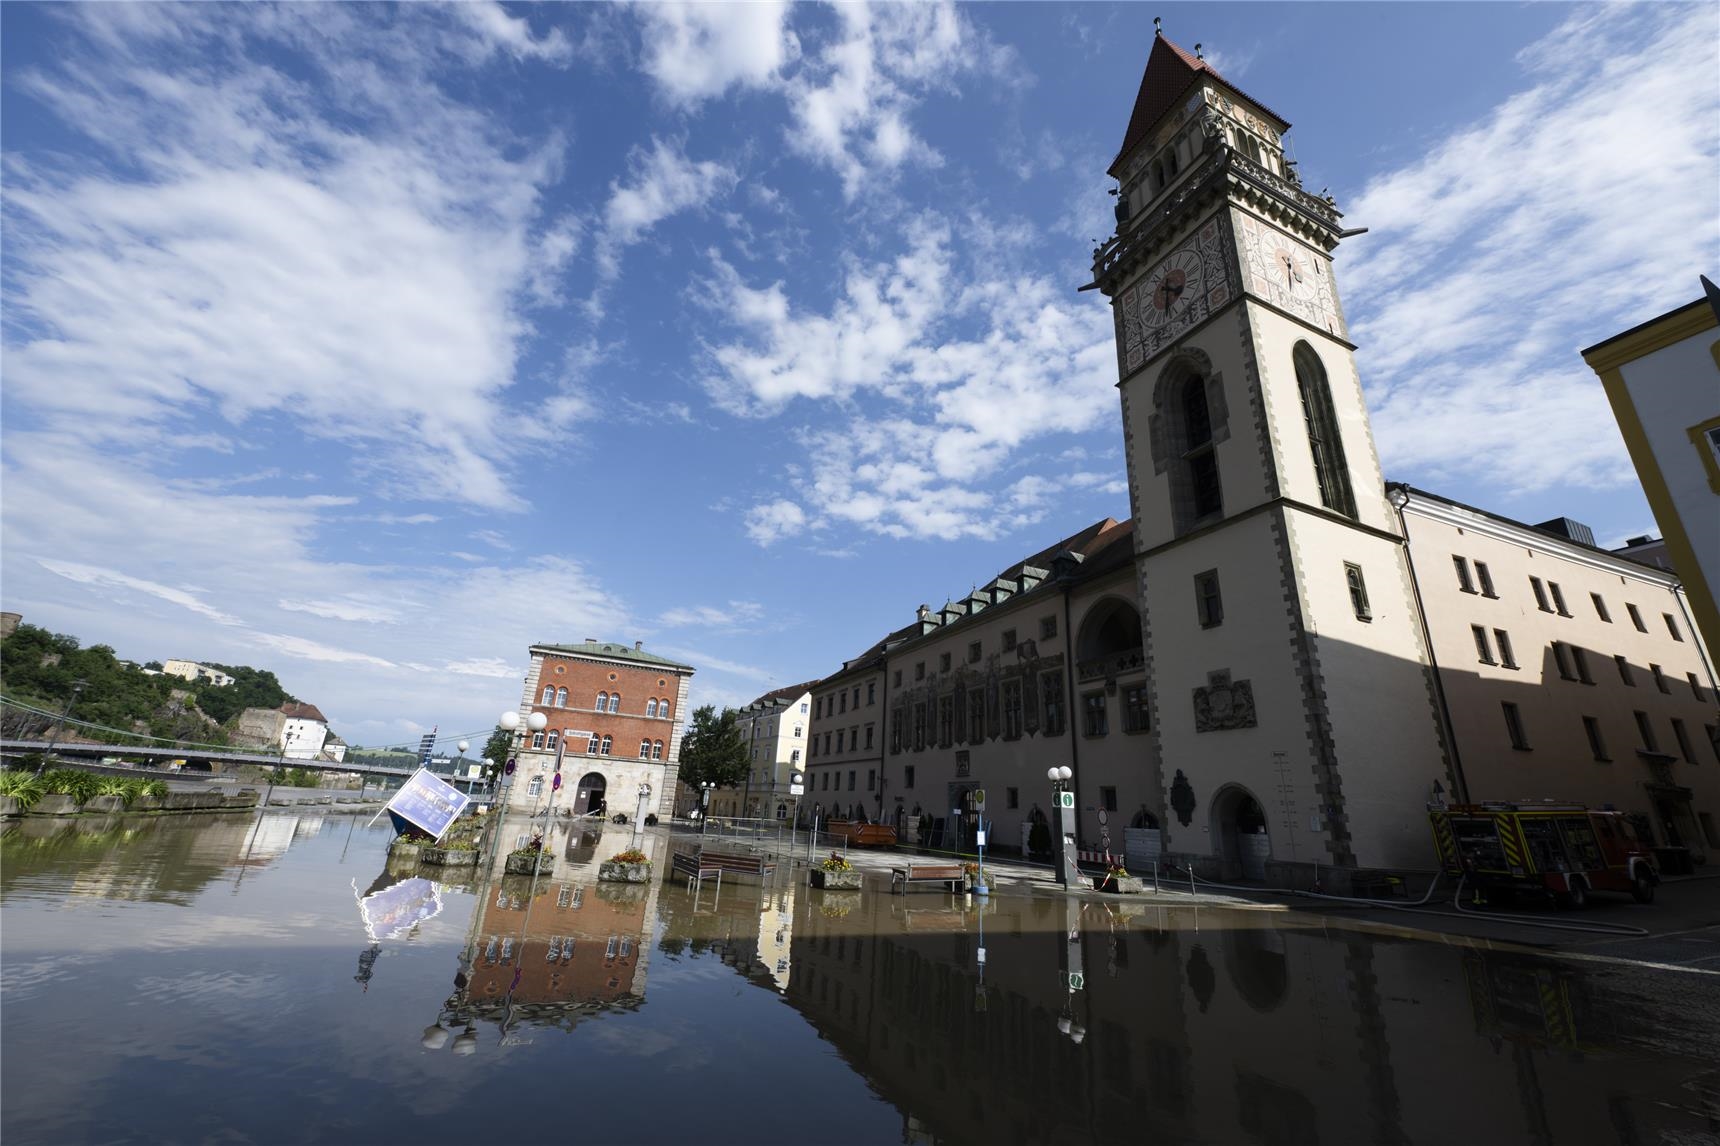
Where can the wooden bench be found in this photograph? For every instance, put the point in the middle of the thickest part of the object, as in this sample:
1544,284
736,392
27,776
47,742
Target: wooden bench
951,873
701,864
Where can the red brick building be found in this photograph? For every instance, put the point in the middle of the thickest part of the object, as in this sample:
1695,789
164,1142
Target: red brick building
615,717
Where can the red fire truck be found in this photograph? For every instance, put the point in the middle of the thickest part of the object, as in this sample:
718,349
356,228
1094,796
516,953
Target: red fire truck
1563,850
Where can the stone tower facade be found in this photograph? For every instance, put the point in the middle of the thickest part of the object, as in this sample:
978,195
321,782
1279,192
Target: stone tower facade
1293,714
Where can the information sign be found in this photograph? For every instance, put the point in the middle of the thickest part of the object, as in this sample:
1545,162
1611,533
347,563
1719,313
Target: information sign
1077,980
1065,799
979,799
426,803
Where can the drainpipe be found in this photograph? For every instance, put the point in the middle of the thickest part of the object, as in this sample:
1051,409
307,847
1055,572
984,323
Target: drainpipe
1398,494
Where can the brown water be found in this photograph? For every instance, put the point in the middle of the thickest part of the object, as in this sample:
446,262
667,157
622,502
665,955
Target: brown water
242,980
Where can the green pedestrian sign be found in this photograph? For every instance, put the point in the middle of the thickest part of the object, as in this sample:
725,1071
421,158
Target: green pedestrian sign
1065,799
1075,980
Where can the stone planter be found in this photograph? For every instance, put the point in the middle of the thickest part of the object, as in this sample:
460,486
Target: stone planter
1119,884
544,862
622,893
106,804
836,880
611,872
56,804
9,806
450,857
146,804
837,904
404,849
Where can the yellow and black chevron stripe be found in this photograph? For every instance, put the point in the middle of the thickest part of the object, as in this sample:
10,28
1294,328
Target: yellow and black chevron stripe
1446,842
1511,841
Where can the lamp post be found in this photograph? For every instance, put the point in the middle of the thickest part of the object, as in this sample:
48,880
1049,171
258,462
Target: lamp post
639,812
1062,798
510,722
78,687
705,790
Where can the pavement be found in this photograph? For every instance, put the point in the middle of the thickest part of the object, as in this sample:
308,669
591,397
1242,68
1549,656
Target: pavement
1680,930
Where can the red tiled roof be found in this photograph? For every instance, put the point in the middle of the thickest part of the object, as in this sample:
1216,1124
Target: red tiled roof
297,711
1169,75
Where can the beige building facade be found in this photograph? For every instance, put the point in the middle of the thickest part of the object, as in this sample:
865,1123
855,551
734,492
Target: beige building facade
1568,672
774,730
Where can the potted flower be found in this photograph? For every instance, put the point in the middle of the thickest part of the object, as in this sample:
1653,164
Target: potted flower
976,881
529,859
1117,879
630,866
836,873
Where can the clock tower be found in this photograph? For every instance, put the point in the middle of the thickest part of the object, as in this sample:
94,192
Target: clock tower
1294,720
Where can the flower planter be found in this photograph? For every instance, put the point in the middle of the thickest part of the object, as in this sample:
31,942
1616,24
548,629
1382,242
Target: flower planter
835,880
9,806
404,849
451,857
146,804
55,804
542,862
611,872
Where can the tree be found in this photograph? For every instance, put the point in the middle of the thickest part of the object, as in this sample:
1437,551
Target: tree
713,751
496,750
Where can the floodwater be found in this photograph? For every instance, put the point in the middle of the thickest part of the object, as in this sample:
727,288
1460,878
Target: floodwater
271,980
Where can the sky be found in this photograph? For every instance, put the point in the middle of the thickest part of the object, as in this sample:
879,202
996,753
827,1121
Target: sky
372,344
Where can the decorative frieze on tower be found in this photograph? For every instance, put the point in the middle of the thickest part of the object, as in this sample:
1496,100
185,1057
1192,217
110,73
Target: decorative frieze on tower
1266,552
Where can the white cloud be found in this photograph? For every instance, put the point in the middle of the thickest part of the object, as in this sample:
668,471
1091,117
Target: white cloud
771,522
345,610
695,51
661,182
940,385
113,580
350,252
1578,207
732,615
502,32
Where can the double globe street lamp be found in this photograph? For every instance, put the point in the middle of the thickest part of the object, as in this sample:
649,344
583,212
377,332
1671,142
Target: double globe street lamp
1061,798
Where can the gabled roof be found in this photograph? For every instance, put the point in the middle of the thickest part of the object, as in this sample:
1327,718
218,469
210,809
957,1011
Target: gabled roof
293,710
781,696
1170,73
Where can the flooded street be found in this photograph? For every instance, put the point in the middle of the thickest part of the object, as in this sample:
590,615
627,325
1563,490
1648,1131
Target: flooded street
272,980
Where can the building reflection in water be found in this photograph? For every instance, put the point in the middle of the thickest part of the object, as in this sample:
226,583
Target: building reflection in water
1095,1022
549,950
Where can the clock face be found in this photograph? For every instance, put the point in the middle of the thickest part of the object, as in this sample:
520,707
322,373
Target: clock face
1172,288
1292,261
1285,273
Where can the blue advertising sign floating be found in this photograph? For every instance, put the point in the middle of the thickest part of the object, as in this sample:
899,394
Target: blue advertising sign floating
426,803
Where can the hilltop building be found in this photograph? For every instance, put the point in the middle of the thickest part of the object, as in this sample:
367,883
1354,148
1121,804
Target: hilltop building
191,670
615,717
299,730
1279,661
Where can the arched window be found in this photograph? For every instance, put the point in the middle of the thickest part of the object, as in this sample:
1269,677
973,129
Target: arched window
561,698
548,694
1323,438
591,748
553,737
644,749
651,707
537,740
615,702
663,708
656,750
1198,456
602,701
608,742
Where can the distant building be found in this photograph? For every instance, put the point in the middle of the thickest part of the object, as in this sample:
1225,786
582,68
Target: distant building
773,728
191,670
299,730
1663,380
615,722
9,623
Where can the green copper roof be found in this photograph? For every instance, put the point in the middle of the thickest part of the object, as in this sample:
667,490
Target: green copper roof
616,653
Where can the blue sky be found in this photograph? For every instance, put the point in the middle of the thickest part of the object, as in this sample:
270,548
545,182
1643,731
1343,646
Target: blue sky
372,344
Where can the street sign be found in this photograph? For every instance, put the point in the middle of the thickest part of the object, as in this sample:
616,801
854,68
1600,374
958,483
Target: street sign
1065,799
1077,981
979,799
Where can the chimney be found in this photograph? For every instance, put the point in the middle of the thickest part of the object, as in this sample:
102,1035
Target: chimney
923,612
591,640
637,645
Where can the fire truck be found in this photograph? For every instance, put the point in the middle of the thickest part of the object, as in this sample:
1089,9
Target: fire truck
1557,849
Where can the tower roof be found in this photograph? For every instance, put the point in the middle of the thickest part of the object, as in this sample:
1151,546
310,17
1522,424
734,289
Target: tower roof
1170,73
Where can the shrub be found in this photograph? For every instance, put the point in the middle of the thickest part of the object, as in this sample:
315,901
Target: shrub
459,846
24,787
631,855
79,785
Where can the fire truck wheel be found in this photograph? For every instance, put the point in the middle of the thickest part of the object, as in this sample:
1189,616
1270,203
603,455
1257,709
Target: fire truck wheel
1642,888
1576,898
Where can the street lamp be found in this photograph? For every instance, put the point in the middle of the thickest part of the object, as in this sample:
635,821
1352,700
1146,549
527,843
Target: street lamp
705,790
1061,799
78,687
510,722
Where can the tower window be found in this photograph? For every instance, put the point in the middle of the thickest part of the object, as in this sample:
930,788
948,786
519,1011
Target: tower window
1208,603
1358,591
1202,462
1635,617
1463,581
1540,594
1483,652
1672,627
1506,657
1323,438
1600,607
1486,579
1514,726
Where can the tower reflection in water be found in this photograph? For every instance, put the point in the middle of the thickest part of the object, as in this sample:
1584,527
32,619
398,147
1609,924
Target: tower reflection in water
551,949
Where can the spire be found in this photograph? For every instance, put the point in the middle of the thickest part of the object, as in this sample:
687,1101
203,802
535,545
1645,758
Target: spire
1171,72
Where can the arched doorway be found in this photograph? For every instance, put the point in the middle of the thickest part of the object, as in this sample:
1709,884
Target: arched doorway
589,796
1239,833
